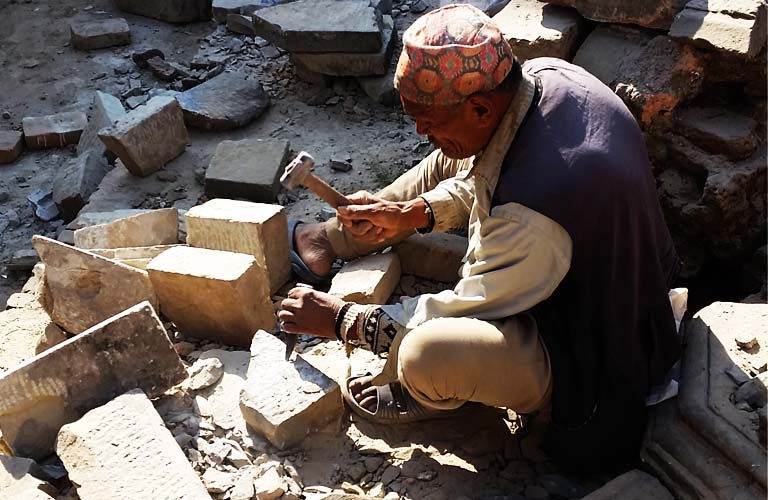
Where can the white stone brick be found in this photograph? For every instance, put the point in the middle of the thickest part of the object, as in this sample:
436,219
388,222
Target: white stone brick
368,280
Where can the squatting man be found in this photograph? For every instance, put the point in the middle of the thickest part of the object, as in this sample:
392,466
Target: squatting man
562,304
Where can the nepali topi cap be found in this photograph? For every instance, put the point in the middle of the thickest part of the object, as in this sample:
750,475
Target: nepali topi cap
451,53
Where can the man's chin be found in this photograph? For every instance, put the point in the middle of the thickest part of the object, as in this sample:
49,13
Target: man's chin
452,154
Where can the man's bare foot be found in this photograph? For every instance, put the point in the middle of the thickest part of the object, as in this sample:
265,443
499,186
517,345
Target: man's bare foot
364,393
314,248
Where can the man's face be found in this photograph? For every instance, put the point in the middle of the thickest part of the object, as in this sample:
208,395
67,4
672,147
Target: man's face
459,131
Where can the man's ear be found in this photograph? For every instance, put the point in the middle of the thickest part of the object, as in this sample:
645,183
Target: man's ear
481,107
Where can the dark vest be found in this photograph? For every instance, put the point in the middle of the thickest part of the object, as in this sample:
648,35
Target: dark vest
580,159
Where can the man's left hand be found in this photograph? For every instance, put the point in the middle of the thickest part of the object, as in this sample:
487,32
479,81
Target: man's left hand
309,311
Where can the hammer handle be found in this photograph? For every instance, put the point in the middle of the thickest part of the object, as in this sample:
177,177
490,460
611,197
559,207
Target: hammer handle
325,191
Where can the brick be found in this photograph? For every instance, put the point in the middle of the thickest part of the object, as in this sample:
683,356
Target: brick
212,294
76,181
86,289
222,8
228,101
286,400
100,34
11,145
256,229
368,280
172,11
54,131
156,227
320,26
122,450
149,136
632,485
719,131
353,63
248,169
58,386
25,332
535,29
21,478
732,27
434,256
658,14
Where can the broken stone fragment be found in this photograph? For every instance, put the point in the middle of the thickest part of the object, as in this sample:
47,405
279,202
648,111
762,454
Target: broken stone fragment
20,478
223,8
56,387
54,131
256,229
122,450
149,136
85,288
632,485
241,24
162,69
435,256
25,332
74,183
100,34
227,101
753,392
321,26
270,485
535,29
658,14
172,11
204,373
11,145
286,400
719,131
141,57
212,294
368,280
353,63
223,399
151,228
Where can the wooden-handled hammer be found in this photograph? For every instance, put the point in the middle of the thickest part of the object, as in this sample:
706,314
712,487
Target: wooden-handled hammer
299,173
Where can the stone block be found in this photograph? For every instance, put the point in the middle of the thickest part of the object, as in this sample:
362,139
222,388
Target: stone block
85,289
222,8
256,229
86,219
58,386
702,444
74,183
21,478
381,88
155,227
719,131
100,34
353,63
106,110
212,294
129,253
321,26
368,280
286,400
535,29
149,136
434,256
11,145
225,102
737,28
657,14
632,485
25,332
223,399
248,169
172,11
238,23
54,131
123,451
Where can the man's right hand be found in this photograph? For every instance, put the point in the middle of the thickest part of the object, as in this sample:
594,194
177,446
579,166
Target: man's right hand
374,220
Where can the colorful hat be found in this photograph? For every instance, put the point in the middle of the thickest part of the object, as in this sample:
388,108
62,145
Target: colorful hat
450,54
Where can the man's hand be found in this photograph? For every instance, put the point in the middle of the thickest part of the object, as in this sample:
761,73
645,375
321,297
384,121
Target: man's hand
375,220
309,311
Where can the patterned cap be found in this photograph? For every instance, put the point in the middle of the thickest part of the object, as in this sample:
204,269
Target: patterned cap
450,54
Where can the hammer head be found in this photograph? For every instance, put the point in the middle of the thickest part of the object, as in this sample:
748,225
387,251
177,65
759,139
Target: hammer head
297,171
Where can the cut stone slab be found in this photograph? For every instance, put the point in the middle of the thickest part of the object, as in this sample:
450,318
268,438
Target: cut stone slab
123,451
86,219
353,63
11,145
248,169
54,131
149,136
368,280
130,350
212,294
100,34
435,256
25,332
224,397
719,131
76,181
256,229
222,8
239,23
227,101
701,444
535,29
657,14
106,110
20,478
173,11
321,26
156,227
286,400
86,289
737,28
130,253
632,485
